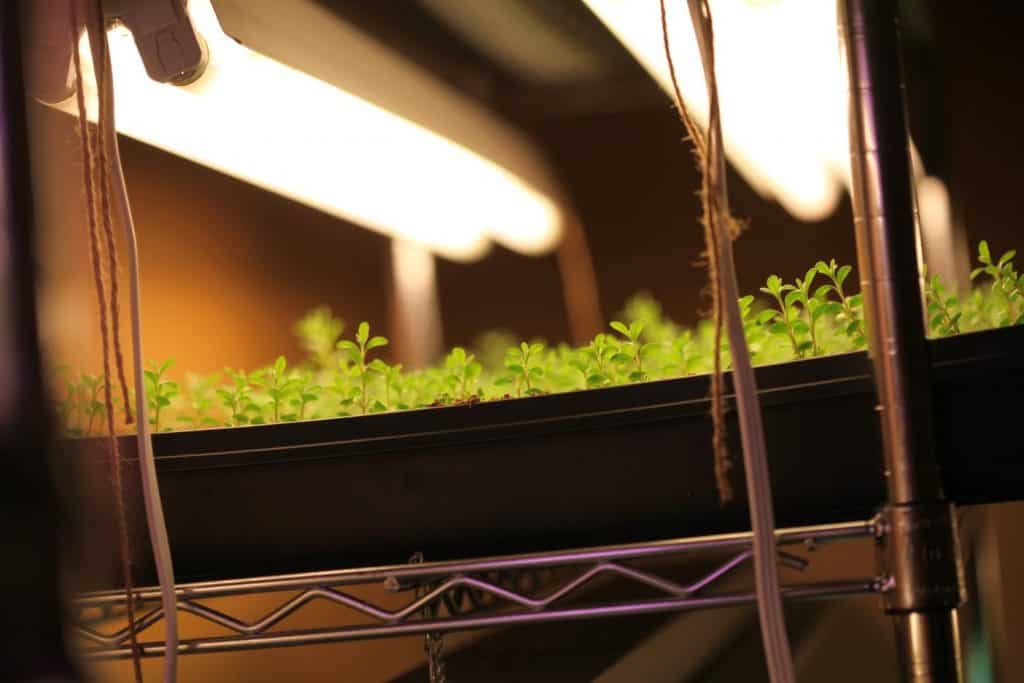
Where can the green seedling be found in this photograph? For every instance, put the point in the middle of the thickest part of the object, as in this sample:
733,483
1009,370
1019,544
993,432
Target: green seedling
755,332
786,319
764,346
644,345
815,306
394,386
90,407
431,388
159,391
849,315
489,349
581,363
562,369
656,327
358,353
1005,280
632,351
463,371
686,357
306,393
345,386
598,367
237,398
318,332
201,397
943,318
523,364
280,387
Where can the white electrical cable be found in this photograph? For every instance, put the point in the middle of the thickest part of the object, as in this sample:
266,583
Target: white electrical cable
755,459
147,466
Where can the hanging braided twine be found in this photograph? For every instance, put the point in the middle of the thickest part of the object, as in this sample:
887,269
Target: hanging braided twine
719,441
90,142
718,221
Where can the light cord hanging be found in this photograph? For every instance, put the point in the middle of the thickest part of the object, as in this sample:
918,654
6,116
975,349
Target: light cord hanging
719,228
156,524
147,465
87,142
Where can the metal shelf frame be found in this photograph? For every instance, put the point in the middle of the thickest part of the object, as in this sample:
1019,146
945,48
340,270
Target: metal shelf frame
439,593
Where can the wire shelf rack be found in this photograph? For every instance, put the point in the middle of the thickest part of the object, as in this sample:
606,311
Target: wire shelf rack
440,597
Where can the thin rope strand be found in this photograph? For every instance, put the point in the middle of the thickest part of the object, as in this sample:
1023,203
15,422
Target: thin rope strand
107,222
90,197
757,475
719,440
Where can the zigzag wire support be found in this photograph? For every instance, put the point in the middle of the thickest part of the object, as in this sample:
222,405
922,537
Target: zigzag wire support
494,588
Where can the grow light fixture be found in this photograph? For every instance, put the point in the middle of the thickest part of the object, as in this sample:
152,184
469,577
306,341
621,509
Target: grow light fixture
279,128
781,82
784,112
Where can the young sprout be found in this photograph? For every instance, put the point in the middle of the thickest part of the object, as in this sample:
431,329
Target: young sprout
816,306
522,363
345,387
90,406
686,358
489,349
597,358
755,332
429,387
306,391
580,361
201,398
394,387
657,328
979,308
318,332
1005,280
463,371
380,368
848,315
237,398
785,320
279,386
941,316
358,353
632,351
565,369
159,391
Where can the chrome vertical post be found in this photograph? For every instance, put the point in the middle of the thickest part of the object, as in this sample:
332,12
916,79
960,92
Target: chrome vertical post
919,546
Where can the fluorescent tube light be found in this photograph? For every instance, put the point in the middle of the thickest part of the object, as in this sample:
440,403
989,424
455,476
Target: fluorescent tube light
276,127
782,86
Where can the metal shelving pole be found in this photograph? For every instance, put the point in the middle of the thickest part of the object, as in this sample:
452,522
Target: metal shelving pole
920,550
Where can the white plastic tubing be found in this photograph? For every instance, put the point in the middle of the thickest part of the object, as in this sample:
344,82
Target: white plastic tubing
147,467
755,459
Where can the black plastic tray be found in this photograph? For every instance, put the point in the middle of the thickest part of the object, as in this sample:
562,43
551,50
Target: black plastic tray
598,467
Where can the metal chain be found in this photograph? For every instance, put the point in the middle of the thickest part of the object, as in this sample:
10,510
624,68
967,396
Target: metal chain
433,643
